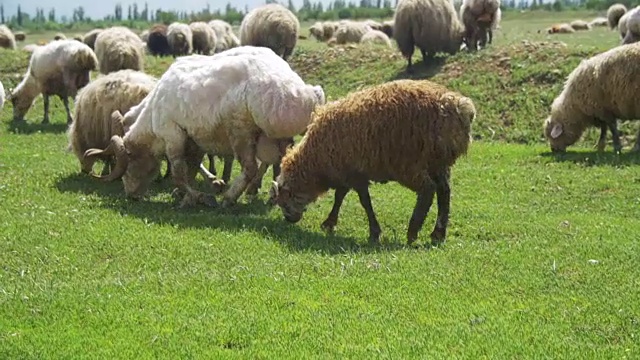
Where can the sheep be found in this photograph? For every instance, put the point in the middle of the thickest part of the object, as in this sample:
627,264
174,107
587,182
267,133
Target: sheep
614,13
580,25
272,26
204,38
373,24
20,36
597,92
387,28
409,131
157,42
180,39
599,22
629,26
58,68
375,37
59,36
92,125
479,17
351,32
2,95
225,101
90,38
317,31
7,39
225,38
431,25
119,48
560,29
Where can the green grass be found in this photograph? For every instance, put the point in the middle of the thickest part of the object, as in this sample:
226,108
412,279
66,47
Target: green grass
541,260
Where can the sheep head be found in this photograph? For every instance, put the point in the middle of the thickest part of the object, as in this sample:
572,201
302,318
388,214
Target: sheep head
21,104
292,203
560,135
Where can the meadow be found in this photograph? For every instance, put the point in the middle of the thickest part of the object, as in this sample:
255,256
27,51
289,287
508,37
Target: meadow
541,258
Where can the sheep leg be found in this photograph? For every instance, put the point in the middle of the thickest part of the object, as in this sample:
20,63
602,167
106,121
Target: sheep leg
228,167
490,34
246,153
443,190
332,220
276,170
45,120
420,211
212,164
365,201
182,166
602,141
254,185
65,101
617,146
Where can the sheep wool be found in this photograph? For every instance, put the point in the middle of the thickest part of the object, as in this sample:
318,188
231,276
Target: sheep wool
431,25
225,38
157,42
7,39
580,25
614,13
119,48
273,26
409,131
204,38
376,37
90,38
92,126
561,29
599,22
597,92
351,32
630,23
180,39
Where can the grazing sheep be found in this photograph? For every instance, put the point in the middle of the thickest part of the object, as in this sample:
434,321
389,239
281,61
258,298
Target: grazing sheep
351,32
599,22
629,26
90,38
226,101
59,68
580,25
158,43
7,39
93,126
598,92
614,13
144,35
180,39
431,25
375,37
2,95
373,24
59,36
409,131
119,48
20,36
560,29
204,38
272,26
317,31
225,38
387,28
479,18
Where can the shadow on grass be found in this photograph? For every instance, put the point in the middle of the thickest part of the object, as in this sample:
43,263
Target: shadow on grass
422,69
594,158
252,217
26,128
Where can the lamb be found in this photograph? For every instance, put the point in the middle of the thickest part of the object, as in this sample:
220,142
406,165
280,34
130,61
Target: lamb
599,22
90,38
7,39
225,38
479,18
409,131
630,23
93,126
119,48
580,25
204,38
597,92
20,36
351,32
375,37
614,13
560,29
180,39
157,42
431,25
226,101
272,26
59,68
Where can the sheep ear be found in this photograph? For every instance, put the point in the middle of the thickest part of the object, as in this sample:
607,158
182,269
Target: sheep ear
556,131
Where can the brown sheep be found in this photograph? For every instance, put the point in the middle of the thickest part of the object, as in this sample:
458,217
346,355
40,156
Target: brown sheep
157,41
409,131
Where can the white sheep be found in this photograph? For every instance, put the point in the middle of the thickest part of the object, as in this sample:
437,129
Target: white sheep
119,48
375,37
273,26
180,39
92,125
204,38
58,68
210,104
630,23
7,39
350,32
598,92
480,17
225,38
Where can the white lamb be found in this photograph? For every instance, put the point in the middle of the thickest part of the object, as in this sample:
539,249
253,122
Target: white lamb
210,104
58,68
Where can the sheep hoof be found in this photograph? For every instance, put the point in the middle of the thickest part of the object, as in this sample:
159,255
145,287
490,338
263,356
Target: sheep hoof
328,226
374,238
208,200
438,236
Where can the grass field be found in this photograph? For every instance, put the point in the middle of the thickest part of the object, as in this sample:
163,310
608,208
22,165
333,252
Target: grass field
541,261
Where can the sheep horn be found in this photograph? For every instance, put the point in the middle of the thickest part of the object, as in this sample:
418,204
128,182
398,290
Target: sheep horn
116,147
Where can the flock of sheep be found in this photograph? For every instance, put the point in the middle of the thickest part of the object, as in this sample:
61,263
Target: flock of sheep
239,98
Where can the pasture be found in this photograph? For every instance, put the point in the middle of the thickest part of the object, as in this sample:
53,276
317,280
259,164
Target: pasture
541,260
